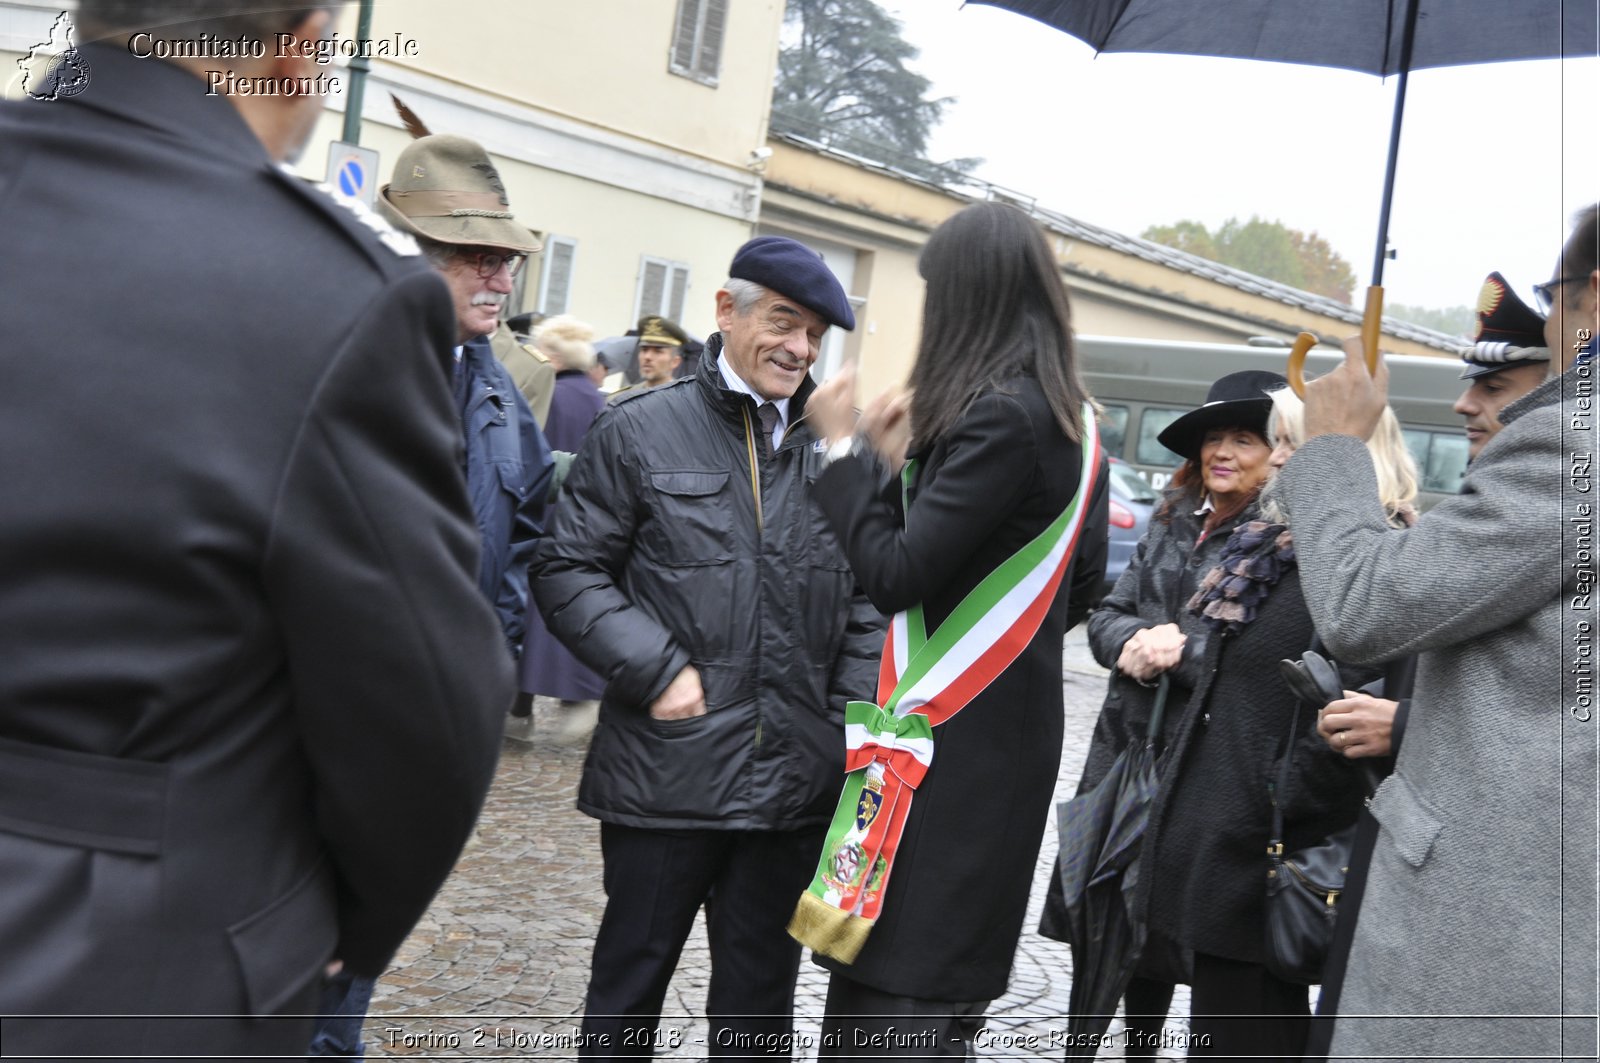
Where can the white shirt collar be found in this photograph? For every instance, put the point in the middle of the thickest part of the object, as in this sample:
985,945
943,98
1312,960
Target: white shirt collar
736,383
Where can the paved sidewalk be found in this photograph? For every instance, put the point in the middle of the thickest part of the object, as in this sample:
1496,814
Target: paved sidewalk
498,967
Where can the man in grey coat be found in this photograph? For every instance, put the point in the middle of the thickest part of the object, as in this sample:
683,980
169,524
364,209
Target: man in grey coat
1476,936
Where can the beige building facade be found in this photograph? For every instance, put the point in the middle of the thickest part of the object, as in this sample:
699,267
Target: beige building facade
1119,285
632,136
629,133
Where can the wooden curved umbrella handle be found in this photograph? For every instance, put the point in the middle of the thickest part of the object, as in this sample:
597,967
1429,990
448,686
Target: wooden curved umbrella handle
1297,362
1371,329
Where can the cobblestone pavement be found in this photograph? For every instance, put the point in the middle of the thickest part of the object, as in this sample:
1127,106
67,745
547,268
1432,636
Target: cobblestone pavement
498,966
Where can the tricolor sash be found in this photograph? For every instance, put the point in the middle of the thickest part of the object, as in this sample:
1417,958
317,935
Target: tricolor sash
922,682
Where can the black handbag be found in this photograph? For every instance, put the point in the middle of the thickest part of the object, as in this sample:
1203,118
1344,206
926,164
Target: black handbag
1303,887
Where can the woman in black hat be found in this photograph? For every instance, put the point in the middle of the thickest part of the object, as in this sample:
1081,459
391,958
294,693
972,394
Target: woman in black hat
1142,630
1212,599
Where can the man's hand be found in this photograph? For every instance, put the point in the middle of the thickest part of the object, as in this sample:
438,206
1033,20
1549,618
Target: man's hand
1349,400
1151,651
1357,725
682,699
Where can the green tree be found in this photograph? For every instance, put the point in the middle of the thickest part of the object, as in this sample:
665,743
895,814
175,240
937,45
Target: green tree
1266,248
843,81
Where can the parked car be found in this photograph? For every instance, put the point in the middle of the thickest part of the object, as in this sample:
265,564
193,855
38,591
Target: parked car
1132,500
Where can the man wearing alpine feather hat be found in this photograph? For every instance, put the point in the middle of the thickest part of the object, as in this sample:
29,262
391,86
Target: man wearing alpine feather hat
448,195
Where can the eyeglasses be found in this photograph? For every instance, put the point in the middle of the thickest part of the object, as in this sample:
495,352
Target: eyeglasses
1546,292
488,263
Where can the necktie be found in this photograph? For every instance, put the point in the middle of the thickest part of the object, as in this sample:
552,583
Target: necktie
767,414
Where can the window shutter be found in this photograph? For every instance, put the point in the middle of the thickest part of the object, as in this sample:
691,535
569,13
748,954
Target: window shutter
558,276
708,57
680,287
683,36
652,287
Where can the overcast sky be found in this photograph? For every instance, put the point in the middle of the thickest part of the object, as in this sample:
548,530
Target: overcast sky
1493,161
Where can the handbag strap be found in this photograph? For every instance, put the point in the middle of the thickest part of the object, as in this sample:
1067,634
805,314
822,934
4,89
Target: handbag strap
1274,789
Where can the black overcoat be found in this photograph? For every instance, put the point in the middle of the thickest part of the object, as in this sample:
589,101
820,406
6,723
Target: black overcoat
1205,849
956,898
1162,575
671,546
250,695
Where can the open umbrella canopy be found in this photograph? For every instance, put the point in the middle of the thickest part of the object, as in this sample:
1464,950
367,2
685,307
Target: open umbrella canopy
1364,35
1376,36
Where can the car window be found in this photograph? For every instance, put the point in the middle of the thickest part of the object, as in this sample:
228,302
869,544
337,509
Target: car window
1130,485
1441,458
1151,424
1113,429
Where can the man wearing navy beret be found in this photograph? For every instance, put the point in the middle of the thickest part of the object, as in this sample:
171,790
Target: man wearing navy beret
688,567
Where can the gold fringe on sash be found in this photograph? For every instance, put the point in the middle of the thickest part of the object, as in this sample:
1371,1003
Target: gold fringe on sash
821,927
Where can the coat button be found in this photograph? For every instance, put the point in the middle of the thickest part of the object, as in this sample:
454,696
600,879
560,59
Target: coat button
1205,717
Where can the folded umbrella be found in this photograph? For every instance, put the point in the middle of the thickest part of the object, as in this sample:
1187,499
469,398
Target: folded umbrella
1100,836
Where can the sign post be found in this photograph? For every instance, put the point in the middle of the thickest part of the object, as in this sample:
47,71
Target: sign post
353,170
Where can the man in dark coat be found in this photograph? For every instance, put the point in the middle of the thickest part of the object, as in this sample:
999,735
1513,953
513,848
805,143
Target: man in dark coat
687,565
448,196
251,697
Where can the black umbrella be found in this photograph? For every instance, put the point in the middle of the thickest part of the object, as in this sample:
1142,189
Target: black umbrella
1101,832
1379,37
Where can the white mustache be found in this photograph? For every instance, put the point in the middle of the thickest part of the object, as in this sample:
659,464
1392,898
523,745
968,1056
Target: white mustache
487,298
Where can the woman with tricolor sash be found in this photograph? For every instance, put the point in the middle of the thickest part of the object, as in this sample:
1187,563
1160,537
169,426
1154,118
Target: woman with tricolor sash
986,544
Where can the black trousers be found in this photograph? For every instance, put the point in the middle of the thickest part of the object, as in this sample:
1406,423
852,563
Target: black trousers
1145,1004
656,882
1243,1011
860,1022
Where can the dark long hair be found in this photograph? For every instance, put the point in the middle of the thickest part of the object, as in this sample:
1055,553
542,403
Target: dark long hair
996,308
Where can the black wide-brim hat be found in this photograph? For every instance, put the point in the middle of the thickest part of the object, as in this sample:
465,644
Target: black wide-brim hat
1238,400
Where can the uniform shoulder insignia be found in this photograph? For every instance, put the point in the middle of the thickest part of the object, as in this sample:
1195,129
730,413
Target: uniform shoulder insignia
400,243
536,352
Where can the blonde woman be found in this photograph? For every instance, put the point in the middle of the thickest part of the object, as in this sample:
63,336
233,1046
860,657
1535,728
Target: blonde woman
1391,461
1365,724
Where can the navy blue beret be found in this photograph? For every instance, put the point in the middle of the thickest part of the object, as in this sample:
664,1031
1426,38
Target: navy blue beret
790,268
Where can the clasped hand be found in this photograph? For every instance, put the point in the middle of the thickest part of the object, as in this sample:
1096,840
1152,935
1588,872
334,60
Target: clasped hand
1358,725
1151,651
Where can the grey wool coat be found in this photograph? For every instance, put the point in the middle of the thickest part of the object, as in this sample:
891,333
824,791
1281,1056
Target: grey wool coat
1480,904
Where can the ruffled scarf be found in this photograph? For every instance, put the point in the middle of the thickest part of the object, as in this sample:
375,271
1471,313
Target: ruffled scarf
1254,558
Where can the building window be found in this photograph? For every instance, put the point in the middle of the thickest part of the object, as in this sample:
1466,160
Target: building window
662,287
555,282
697,39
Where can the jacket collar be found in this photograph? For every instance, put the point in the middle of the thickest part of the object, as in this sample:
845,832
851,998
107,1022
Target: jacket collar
733,405
161,96
1546,394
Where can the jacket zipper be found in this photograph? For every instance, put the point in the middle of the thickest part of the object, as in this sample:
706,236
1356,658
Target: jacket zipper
755,492
755,470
